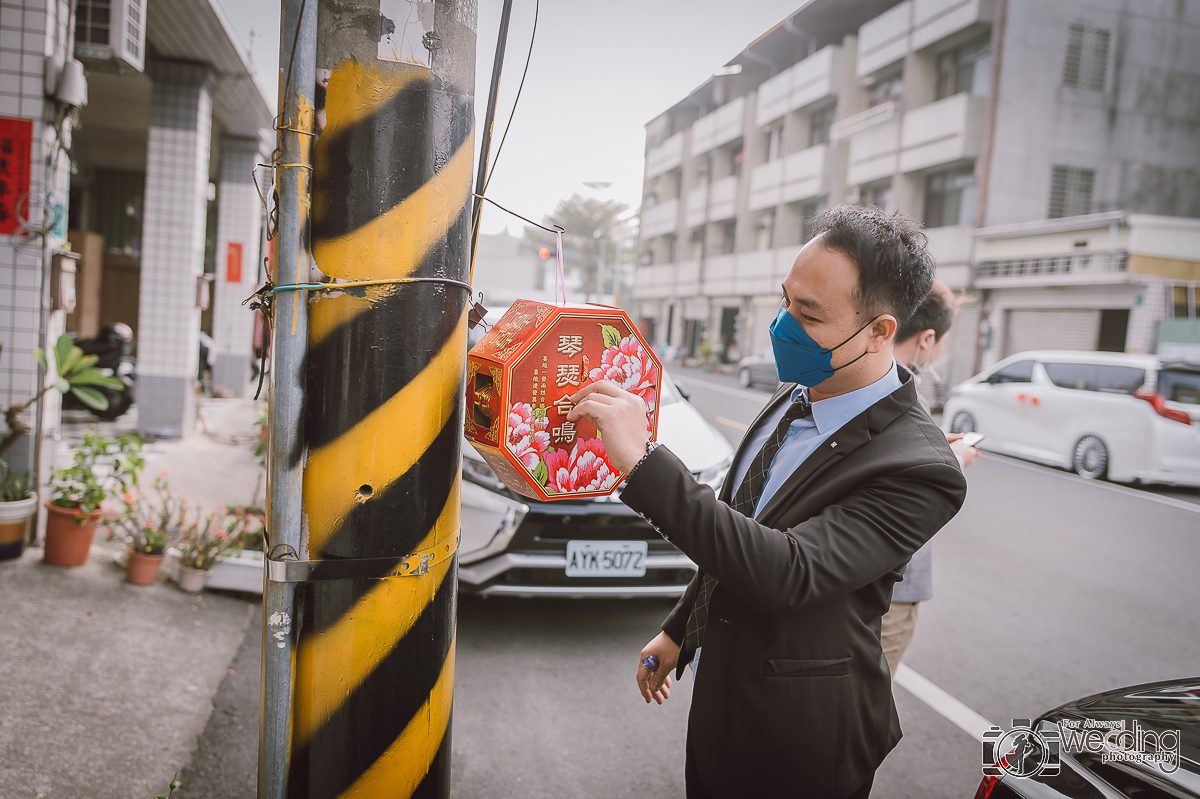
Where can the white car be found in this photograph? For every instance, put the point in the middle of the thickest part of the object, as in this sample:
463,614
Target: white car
1130,418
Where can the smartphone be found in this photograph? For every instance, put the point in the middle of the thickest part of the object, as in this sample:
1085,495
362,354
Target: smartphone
973,439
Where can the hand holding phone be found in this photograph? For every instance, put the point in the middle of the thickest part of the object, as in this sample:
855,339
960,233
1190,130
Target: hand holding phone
972,439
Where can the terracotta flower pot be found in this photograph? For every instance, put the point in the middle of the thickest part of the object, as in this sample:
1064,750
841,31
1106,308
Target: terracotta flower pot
143,569
14,526
193,580
68,540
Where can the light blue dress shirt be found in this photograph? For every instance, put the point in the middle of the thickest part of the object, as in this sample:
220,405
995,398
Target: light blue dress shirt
802,439
805,435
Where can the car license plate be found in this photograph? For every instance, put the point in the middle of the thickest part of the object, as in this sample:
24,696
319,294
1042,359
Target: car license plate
606,558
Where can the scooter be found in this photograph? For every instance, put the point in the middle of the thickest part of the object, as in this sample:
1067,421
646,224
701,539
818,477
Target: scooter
112,346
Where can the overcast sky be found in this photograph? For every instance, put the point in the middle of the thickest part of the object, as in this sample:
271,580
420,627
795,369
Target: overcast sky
599,72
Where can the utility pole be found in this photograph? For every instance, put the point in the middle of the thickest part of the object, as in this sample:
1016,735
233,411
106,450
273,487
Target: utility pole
374,572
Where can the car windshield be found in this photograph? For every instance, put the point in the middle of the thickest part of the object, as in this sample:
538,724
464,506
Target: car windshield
1179,386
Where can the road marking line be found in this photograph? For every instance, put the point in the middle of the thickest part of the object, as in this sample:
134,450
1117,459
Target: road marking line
687,380
1170,502
950,708
731,423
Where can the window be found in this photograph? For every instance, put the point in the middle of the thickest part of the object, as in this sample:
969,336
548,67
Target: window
950,198
774,136
965,69
1070,375
765,233
1096,377
1019,372
885,90
1119,379
728,231
876,194
819,123
1086,62
1179,386
93,19
1071,191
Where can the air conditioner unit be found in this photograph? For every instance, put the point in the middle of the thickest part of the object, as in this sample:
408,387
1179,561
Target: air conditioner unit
111,33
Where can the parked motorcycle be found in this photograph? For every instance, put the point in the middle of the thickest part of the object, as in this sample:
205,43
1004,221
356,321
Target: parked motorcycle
112,346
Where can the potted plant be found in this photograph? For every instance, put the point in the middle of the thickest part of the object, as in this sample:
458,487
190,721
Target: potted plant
147,526
76,374
220,534
101,468
17,506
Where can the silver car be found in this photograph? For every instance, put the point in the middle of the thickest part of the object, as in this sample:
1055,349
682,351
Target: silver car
512,545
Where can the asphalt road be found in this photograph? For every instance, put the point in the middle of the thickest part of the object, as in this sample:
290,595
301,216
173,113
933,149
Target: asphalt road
1047,588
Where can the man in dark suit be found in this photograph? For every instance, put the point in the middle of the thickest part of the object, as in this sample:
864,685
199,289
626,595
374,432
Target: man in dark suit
840,479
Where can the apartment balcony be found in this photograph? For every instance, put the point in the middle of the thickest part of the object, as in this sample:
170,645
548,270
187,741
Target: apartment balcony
874,151
660,219
720,127
655,281
944,132
721,202
883,41
934,20
718,274
912,26
665,157
804,83
800,176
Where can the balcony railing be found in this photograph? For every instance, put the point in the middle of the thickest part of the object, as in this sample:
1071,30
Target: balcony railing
1075,263
863,120
721,126
665,156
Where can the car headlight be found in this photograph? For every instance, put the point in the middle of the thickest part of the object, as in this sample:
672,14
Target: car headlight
714,476
477,471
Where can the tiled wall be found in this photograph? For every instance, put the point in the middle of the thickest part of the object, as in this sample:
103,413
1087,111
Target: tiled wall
239,220
29,31
177,166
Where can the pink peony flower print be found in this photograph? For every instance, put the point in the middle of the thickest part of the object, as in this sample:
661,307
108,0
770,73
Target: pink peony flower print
584,468
629,366
527,436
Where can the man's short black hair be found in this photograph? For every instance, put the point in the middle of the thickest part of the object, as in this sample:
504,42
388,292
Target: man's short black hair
936,313
895,270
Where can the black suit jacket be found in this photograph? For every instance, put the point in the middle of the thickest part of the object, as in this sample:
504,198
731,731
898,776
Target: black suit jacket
793,695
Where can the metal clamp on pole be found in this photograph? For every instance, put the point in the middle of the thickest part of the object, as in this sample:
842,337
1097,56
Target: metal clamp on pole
418,564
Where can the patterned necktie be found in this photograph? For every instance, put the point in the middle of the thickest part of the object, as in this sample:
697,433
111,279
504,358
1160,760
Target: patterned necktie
744,502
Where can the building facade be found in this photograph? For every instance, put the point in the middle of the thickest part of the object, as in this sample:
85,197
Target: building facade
972,116
128,132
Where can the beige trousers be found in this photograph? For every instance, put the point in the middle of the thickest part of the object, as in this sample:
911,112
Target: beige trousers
899,624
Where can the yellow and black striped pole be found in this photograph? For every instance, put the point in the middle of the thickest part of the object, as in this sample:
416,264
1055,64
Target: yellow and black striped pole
376,577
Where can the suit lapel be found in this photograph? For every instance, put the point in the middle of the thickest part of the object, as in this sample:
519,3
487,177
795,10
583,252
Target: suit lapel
784,390
849,437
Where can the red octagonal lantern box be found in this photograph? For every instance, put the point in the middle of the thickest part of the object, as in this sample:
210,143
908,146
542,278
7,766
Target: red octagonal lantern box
520,378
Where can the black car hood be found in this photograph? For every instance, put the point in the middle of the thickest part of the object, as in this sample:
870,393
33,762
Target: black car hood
1154,707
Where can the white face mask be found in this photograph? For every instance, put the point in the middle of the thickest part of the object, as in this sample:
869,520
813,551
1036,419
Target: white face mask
920,372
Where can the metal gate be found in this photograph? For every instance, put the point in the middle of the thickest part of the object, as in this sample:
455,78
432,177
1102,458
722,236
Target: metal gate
1050,330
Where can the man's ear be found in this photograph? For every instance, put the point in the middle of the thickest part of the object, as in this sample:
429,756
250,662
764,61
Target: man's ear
883,333
928,339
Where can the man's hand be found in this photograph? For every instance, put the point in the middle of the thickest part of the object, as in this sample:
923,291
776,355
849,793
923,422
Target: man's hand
656,684
966,455
619,416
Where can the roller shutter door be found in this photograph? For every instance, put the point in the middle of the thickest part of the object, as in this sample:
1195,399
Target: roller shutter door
1050,330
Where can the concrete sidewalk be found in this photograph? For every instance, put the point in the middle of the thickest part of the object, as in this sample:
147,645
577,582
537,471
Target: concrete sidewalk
106,687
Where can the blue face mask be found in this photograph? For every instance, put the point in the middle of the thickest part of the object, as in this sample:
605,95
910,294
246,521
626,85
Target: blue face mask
800,359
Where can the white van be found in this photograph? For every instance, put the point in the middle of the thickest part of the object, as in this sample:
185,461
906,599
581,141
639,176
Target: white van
1130,418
